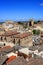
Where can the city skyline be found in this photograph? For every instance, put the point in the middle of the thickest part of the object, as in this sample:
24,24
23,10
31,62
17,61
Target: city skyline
21,9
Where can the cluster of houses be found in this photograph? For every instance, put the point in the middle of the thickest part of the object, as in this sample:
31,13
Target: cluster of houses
24,55
14,32
27,48
18,36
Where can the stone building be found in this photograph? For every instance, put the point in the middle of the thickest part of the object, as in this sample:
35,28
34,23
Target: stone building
8,36
24,39
31,22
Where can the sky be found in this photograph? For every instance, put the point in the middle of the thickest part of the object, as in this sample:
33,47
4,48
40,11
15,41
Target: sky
21,9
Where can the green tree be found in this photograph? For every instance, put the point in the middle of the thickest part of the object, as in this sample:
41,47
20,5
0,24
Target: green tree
21,23
37,32
34,31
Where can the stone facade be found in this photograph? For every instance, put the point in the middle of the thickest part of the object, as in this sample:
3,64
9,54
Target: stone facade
26,41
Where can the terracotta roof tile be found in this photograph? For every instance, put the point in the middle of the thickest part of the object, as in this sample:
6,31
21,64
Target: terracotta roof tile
9,33
18,61
10,59
23,35
5,48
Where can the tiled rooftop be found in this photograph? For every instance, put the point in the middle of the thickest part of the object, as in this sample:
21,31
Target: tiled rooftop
35,61
18,61
9,33
23,35
6,50
10,59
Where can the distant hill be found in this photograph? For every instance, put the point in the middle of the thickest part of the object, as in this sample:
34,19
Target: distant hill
1,22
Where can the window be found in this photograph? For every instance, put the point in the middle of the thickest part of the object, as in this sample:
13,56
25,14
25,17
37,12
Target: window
1,38
4,44
19,41
5,38
14,41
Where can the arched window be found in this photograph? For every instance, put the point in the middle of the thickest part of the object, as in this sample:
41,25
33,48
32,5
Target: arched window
19,42
1,38
14,41
5,38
